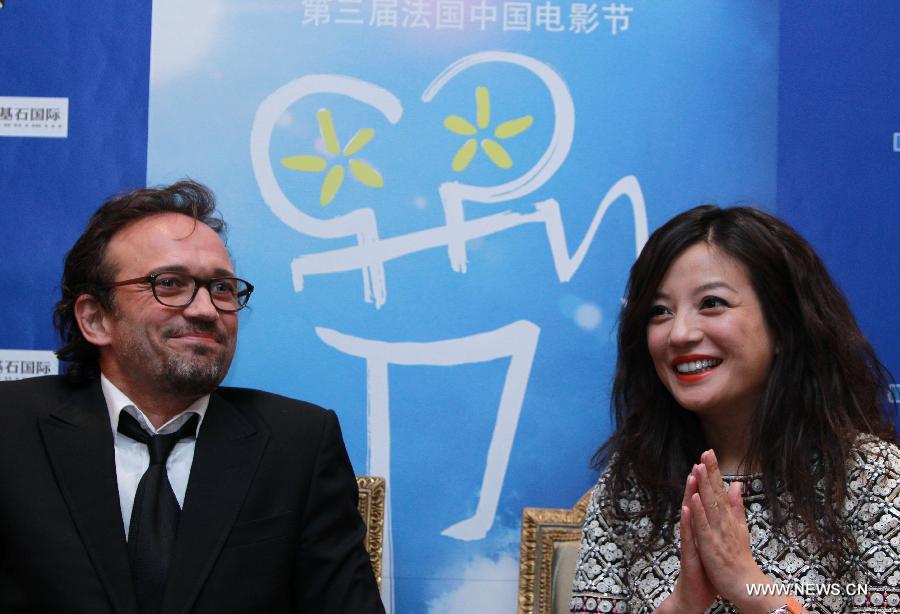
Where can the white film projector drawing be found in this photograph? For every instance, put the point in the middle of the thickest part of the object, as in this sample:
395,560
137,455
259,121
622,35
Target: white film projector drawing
517,340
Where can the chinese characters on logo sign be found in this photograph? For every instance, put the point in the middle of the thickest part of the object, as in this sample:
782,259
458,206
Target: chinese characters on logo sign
19,364
483,15
34,117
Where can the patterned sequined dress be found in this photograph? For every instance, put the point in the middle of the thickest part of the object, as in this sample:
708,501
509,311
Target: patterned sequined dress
605,583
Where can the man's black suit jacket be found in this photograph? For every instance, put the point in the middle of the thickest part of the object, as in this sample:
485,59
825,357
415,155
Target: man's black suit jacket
269,523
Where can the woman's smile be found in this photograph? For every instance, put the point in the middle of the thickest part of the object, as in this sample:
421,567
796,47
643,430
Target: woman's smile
694,367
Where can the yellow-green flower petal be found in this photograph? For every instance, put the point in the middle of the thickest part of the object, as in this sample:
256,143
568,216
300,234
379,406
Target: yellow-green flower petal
365,174
482,106
309,164
513,127
359,140
458,125
332,184
496,153
326,128
464,155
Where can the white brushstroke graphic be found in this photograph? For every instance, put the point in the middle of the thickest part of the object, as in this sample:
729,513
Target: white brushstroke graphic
371,252
518,341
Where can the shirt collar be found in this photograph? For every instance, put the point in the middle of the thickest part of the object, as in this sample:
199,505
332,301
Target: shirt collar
117,402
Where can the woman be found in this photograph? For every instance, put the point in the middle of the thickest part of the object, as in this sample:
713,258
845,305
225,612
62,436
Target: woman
753,466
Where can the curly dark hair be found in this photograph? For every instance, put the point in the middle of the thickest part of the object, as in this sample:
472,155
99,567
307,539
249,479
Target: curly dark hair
87,272
826,385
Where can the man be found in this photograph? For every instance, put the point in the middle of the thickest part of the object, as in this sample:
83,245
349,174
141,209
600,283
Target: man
112,499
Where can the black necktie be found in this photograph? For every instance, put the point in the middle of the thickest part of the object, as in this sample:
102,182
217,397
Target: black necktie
154,517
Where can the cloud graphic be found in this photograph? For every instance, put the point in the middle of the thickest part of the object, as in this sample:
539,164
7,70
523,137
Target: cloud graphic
486,585
588,316
183,36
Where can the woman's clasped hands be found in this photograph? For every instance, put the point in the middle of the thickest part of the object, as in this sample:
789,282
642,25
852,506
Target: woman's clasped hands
716,560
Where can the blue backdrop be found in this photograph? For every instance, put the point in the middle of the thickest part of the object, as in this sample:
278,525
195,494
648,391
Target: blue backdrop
459,316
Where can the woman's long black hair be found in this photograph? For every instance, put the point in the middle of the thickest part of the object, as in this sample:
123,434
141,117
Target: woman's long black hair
826,385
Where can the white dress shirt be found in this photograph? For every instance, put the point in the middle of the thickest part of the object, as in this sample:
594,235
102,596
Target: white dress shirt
133,457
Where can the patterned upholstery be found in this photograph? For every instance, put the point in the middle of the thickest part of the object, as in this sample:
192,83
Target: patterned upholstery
371,508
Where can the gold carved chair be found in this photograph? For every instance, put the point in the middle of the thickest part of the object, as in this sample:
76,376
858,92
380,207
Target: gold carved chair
371,508
548,553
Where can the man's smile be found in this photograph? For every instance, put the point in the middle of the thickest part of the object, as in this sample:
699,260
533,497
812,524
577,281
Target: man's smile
195,335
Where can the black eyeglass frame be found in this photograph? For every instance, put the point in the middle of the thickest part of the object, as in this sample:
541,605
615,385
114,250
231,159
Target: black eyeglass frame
243,297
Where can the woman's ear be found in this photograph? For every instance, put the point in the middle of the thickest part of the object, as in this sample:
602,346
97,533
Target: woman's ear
92,320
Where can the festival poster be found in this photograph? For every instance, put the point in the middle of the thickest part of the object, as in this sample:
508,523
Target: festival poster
438,202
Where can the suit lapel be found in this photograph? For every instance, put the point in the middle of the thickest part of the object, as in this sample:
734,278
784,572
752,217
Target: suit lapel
225,458
79,443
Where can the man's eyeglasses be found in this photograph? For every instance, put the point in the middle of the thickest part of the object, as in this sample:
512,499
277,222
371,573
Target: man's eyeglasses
228,294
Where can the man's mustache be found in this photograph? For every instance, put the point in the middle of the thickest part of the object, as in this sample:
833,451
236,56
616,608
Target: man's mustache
197,328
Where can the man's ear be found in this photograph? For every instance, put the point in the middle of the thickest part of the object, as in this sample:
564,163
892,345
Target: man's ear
92,320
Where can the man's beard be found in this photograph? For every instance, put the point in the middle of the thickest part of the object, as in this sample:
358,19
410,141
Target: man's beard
195,372
181,376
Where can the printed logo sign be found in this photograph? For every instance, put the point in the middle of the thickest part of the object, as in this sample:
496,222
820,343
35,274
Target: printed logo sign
19,364
36,117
